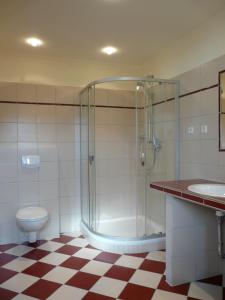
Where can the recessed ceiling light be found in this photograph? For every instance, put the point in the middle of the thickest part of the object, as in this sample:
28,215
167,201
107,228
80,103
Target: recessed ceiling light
109,50
34,42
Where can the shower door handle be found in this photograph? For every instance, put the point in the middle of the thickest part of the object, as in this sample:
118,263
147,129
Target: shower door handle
91,159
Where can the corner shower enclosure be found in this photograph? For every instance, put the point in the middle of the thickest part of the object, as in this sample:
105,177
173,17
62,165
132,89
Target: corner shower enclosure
129,136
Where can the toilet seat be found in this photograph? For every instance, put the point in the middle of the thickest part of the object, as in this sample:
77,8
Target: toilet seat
31,213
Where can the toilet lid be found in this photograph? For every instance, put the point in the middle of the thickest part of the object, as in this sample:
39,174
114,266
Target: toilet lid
31,213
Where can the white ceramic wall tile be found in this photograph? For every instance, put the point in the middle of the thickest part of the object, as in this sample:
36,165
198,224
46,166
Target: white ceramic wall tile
8,91
45,93
26,92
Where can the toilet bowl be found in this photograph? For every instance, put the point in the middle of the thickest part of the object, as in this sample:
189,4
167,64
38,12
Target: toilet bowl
32,220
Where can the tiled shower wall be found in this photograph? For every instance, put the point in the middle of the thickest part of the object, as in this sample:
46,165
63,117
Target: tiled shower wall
38,119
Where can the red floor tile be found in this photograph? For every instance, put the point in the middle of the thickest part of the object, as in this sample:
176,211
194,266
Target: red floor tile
179,289
136,292
121,273
68,249
142,255
36,254
36,244
94,296
63,239
153,266
83,280
108,257
6,294
6,247
5,274
42,289
5,258
215,280
38,269
75,263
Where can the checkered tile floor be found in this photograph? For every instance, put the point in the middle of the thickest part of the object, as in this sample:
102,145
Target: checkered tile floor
69,268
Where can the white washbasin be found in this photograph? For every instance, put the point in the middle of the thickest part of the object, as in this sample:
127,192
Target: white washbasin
214,190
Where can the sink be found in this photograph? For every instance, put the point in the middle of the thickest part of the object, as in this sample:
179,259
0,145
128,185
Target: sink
214,190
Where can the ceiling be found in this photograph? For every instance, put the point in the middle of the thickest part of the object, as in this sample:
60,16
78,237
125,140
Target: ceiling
80,28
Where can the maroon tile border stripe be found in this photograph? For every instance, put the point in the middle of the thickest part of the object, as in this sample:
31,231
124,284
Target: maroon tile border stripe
182,192
188,94
109,106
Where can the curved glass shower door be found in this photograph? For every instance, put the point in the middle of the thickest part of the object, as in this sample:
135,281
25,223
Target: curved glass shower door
128,139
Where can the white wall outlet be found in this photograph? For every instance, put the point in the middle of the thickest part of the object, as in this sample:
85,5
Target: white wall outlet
204,129
190,130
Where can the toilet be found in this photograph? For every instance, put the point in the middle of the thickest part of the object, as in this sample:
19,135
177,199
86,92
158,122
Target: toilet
32,220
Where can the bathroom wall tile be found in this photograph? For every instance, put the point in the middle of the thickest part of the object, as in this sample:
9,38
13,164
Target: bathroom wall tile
66,151
190,106
8,192
190,80
8,152
52,206
70,223
69,169
48,171
70,205
27,132
8,232
69,187
28,192
65,133
66,94
27,174
48,151
8,91
27,113
101,96
45,114
8,172
209,102
210,70
8,132
209,152
45,93
8,113
46,133
26,92
48,190
65,114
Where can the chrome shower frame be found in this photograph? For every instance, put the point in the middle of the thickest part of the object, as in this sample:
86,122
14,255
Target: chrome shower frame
154,140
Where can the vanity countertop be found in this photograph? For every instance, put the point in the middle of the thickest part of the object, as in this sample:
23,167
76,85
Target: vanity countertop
179,189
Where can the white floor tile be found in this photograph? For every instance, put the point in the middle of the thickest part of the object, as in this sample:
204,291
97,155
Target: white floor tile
205,291
78,242
54,258
60,274
19,250
19,264
87,253
129,261
96,267
144,278
157,255
51,246
109,287
164,295
19,282
68,293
